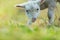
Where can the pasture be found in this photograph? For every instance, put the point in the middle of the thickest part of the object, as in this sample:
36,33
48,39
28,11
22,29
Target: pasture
13,23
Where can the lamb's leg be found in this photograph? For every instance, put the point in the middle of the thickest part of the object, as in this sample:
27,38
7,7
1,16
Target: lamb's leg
51,8
51,15
30,21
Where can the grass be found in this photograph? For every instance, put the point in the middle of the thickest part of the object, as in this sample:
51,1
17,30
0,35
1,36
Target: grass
13,25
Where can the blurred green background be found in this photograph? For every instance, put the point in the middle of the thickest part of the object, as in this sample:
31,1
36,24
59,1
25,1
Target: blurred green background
13,23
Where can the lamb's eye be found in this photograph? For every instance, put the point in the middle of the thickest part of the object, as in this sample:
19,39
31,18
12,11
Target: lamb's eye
27,10
37,9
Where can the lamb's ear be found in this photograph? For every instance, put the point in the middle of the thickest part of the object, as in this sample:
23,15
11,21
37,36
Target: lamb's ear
20,5
38,1
42,1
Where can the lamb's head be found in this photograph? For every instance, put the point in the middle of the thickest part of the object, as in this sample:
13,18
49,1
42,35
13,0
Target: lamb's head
32,9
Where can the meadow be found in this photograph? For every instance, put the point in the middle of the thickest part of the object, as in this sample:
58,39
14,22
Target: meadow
13,23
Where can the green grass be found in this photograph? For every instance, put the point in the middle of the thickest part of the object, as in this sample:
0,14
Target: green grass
13,25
